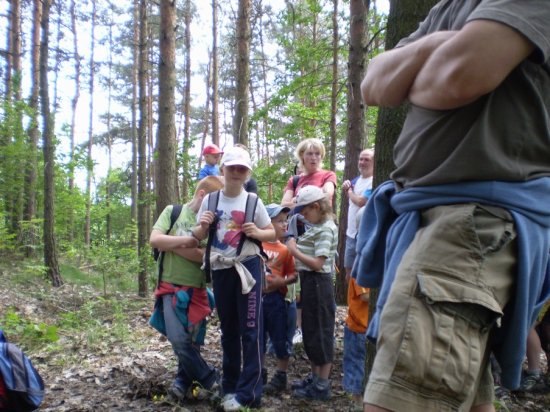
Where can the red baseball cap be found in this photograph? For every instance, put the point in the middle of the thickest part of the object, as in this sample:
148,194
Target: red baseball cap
211,149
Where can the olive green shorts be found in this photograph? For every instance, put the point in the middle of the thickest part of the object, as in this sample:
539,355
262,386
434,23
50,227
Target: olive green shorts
449,291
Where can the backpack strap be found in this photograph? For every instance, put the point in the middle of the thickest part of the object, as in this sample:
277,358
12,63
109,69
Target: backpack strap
176,211
213,199
295,180
249,212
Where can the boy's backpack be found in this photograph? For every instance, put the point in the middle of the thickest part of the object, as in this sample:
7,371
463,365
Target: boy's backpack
157,254
21,387
249,211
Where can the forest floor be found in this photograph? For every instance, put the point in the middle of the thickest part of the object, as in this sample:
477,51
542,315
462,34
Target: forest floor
132,371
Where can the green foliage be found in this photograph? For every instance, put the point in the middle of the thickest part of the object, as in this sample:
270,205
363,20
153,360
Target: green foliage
27,333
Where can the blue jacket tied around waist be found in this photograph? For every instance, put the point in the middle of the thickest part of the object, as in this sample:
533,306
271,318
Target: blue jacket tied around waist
390,223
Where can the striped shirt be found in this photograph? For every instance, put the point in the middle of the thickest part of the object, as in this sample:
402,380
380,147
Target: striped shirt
319,240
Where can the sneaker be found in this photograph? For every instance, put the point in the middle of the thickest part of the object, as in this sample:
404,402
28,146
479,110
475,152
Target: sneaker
276,384
502,393
231,403
178,390
313,392
301,383
532,382
297,337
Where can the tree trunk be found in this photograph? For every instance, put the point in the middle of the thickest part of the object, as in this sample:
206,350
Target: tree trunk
186,101
240,122
74,104
108,135
50,248
16,203
57,67
334,88
31,174
356,136
215,69
142,148
89,159
135,79
403,19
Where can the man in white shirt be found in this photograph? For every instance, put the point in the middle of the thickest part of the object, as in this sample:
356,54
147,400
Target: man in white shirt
358,191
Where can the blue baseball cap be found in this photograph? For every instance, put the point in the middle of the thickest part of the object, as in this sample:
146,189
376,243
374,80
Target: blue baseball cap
273,210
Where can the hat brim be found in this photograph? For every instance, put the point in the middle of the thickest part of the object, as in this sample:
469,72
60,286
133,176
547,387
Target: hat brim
276,212
237,163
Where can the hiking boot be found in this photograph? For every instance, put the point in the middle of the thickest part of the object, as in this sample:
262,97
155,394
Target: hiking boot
502,393
276,384
178,390
532,382
201,393
314,392
302,383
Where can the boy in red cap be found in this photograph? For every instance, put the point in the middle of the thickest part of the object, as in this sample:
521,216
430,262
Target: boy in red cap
212,155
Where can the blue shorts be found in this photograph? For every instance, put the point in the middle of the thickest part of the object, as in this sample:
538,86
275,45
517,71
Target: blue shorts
275,323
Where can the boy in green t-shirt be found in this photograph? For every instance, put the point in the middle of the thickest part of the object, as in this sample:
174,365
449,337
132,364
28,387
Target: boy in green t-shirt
183,282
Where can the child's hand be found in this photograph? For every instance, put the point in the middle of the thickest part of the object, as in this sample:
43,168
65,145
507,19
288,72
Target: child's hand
290,279
189,242
291,245
251,230
206,219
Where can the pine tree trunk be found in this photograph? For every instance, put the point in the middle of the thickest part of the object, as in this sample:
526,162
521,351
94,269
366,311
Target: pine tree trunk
356,136
142,148
215,70
50,248
31,174
135,80
186,100
334,88
240,122
89,159
108,135
74,104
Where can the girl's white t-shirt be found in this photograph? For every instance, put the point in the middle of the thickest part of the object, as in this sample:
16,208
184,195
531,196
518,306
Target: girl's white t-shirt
231,213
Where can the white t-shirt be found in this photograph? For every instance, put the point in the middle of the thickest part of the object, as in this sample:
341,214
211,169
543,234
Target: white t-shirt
231,213
362,184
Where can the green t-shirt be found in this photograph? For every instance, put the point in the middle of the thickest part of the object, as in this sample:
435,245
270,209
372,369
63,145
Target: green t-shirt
178,270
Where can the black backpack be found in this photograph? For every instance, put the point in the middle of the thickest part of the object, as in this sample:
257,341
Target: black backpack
250,210
21,387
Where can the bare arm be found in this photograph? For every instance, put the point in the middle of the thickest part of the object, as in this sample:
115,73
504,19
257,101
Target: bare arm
288,199
357,199
264,234
194,254
328,188
391,74
471,64
315,263
166,242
